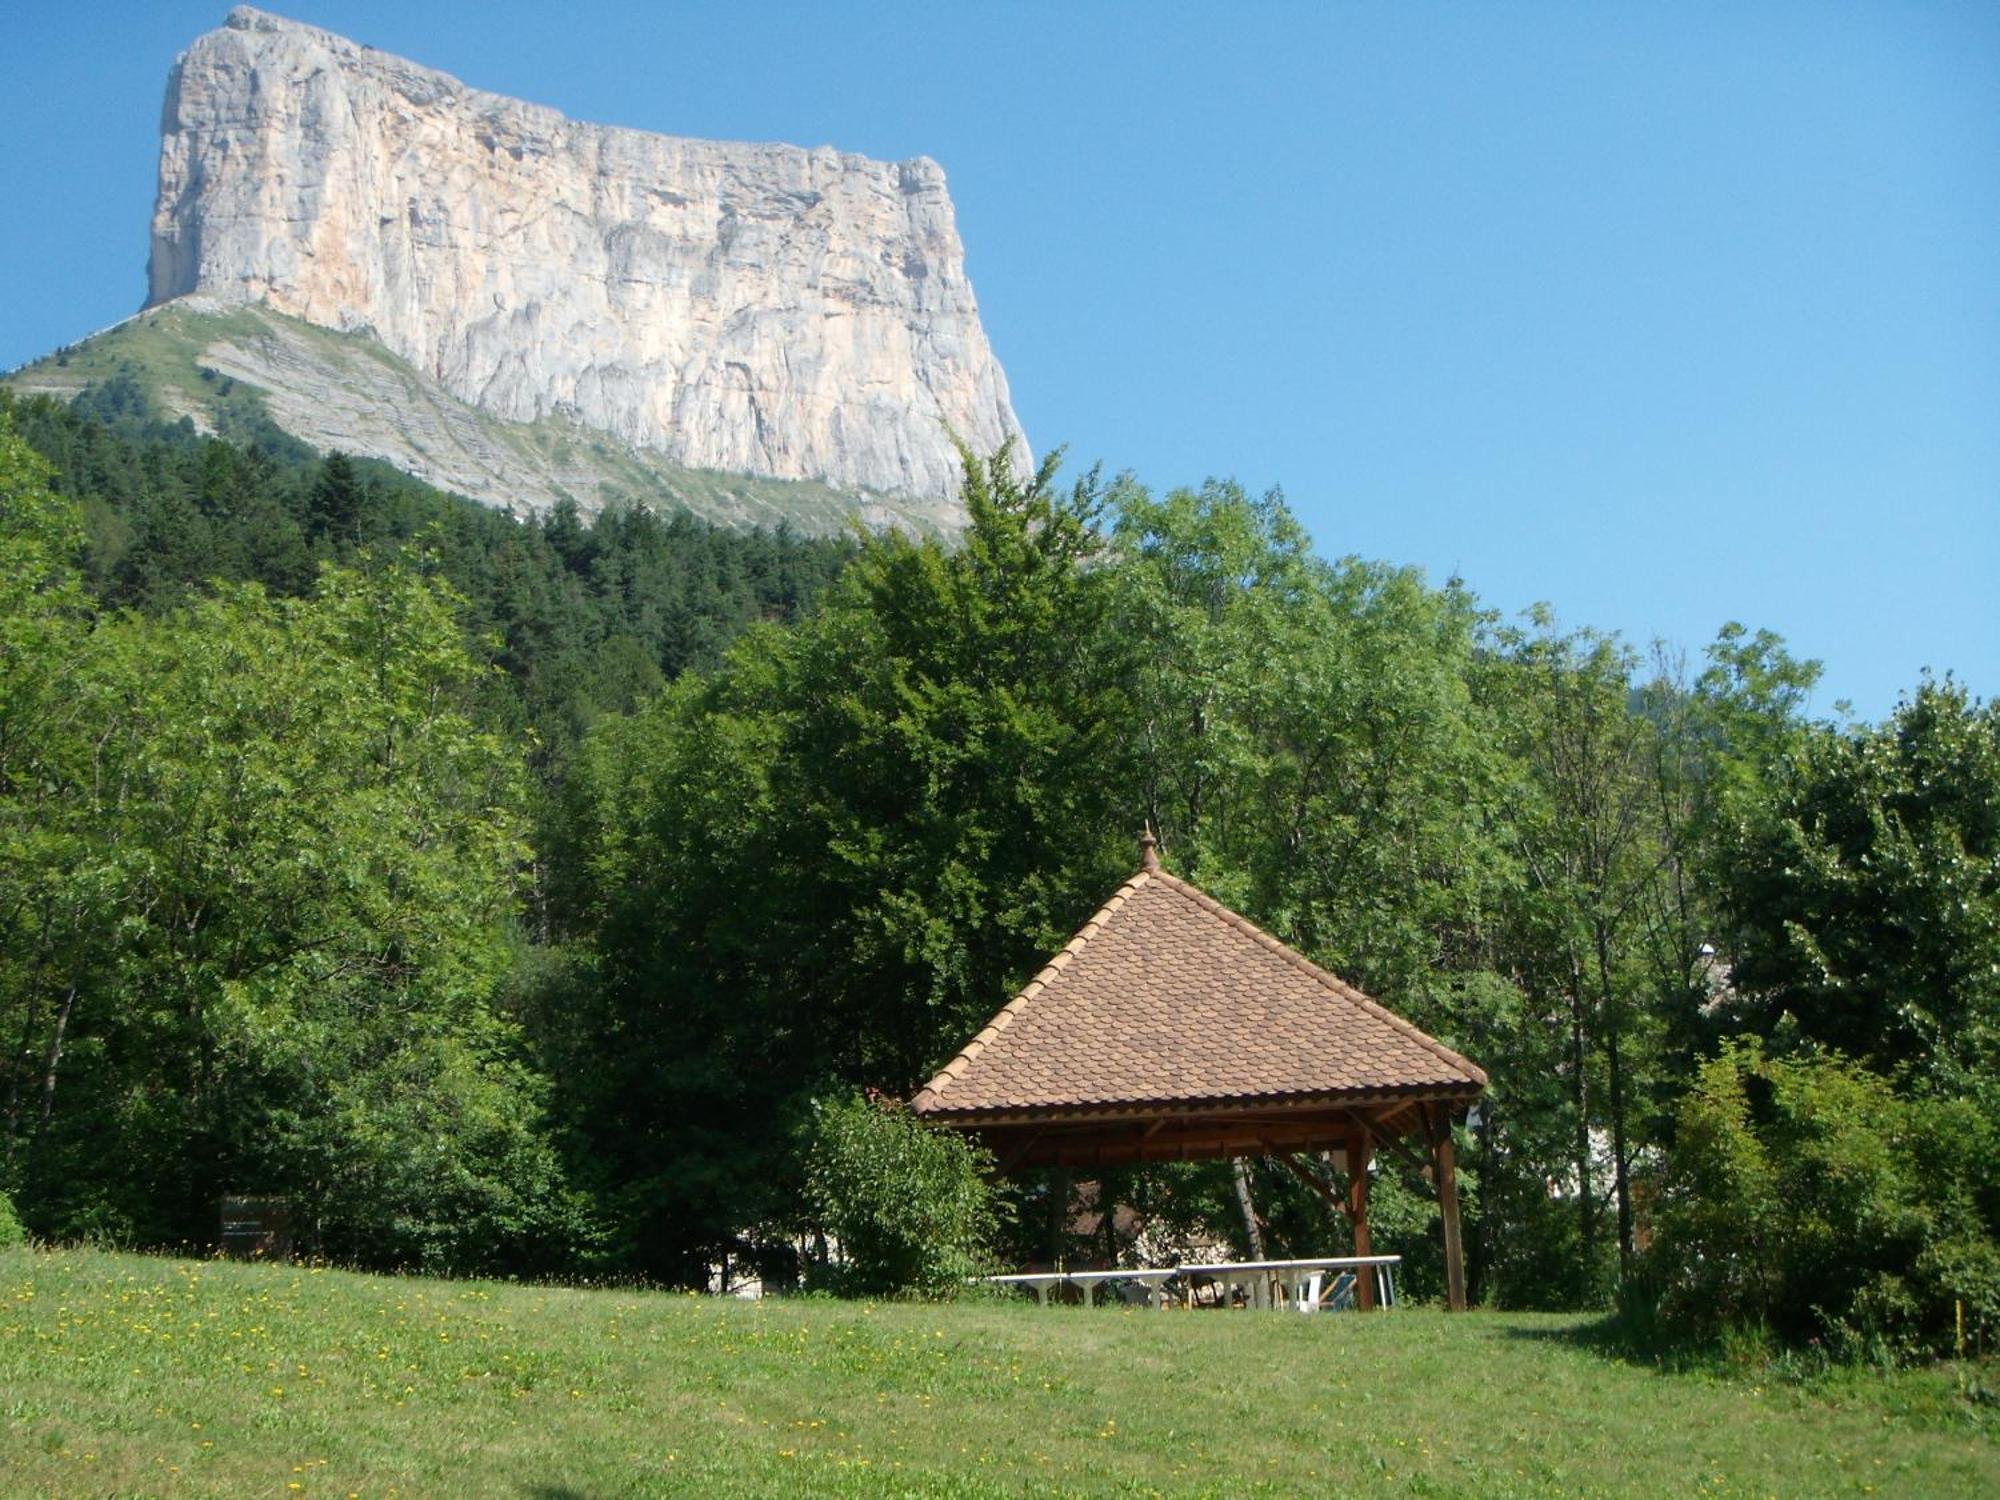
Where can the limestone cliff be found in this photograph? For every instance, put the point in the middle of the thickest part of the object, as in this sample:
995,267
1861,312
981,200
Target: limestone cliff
760,309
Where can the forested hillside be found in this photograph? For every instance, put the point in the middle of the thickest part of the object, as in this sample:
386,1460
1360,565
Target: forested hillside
584,618
506,893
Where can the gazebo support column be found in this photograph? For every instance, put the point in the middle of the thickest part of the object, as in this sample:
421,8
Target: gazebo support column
1357,1213
1445,1160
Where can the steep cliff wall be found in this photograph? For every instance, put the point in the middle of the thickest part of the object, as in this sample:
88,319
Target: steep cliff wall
760,309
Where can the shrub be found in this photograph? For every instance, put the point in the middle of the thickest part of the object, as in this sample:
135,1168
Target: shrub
11,1232
1803,1195
910,1204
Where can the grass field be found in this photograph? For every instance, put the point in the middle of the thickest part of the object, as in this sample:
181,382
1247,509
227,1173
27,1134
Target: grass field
130,1375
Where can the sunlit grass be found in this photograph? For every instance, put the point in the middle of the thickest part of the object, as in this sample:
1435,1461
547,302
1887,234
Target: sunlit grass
132,1375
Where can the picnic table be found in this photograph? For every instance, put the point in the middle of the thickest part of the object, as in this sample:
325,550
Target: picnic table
1152,1278
1302,1284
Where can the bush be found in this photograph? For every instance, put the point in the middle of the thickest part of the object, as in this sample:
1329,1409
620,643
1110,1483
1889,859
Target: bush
11,1232
910,1205
438,1161
1804,1196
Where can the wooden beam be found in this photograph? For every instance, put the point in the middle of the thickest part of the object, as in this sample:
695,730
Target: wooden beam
1445,1155
1396,1148
1012,1159
1112,1147
1192,1137
1311,1179
1395,1120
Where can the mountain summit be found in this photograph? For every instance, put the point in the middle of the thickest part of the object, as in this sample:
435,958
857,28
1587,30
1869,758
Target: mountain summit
753,309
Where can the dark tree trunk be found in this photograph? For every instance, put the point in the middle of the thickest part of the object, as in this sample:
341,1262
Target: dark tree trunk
1621,1175
1579,1058
54,1063
1058,1219
1240,1169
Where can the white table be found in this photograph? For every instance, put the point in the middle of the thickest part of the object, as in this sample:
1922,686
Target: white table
1301,1280
1153,1278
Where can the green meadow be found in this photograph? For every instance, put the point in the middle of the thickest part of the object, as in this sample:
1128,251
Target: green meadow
135,1375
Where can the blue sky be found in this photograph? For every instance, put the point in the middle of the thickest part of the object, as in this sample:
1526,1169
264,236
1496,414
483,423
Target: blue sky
1666,314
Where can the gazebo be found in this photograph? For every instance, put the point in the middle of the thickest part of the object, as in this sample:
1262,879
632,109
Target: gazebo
1172,1029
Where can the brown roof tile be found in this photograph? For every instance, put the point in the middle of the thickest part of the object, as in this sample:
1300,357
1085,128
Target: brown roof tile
1167,996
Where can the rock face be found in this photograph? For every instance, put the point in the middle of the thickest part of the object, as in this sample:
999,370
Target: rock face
759,309
219,365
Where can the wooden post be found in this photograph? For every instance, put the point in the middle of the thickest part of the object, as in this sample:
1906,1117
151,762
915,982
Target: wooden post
1445,1158
1357,1211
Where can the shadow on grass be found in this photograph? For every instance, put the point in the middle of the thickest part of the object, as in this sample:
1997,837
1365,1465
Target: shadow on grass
1643,1342
1941,1396
1641,1339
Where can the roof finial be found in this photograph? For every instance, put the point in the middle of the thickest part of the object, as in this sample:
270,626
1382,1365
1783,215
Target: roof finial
1149,849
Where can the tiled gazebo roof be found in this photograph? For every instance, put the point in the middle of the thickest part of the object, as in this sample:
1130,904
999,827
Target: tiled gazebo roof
1167,1001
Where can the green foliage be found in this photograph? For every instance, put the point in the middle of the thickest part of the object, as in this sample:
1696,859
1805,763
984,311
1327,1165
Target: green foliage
259,869
267,872
909,1205
1593,840
829,862
1308,745
1751,700
1804,1196
41,608
948,779
1618,778
298,893
1864,891
436,1160
11,1232
587,619
1714,1252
